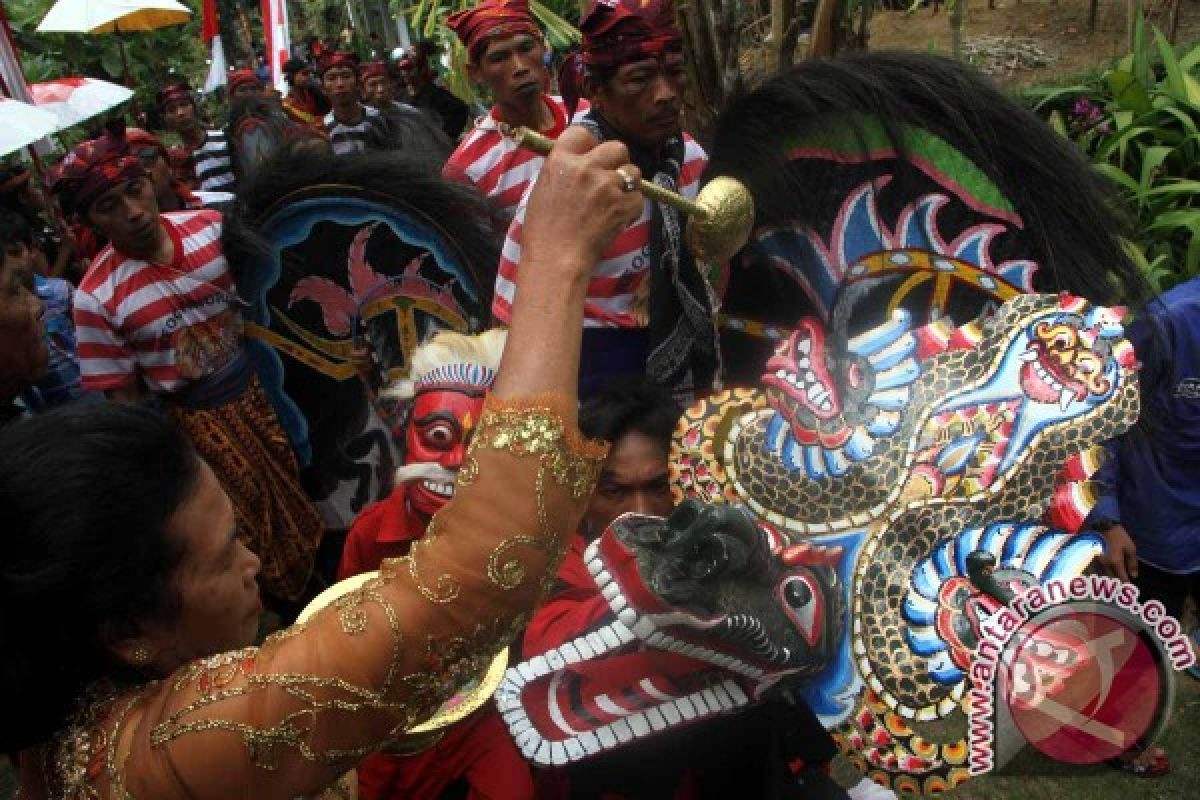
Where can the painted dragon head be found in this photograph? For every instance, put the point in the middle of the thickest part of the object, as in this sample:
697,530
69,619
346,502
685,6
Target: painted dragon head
823,539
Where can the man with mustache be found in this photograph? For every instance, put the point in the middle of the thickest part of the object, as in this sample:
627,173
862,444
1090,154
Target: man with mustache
450,375
505,53
649,309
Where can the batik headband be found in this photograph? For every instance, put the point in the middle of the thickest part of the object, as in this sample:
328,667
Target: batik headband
341,58
375,69
491,19
93,168
617,32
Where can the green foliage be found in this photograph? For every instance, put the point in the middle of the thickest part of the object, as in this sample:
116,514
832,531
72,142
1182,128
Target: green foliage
1139,122
152,56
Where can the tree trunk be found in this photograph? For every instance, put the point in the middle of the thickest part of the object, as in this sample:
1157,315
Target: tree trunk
822,39
791,35
780,12
1173,21
711,38
228,30
247,33
863,34
1093,6
1131,13
956,25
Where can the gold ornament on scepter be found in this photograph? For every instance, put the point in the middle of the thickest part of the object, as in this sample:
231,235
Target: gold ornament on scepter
719,219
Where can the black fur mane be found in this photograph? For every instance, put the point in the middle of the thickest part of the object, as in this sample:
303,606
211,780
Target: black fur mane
407,180
1073,223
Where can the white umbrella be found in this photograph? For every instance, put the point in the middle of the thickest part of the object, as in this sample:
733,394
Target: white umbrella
113,16
73,100
106,16
23,125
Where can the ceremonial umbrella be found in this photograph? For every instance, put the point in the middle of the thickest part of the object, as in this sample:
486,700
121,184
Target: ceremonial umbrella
113,16
73,100
23,125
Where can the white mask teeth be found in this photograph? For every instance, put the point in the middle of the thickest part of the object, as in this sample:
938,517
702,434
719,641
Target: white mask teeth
718,698
628,628
440,488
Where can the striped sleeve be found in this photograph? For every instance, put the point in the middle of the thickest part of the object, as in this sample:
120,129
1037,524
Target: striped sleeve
105,362
506,275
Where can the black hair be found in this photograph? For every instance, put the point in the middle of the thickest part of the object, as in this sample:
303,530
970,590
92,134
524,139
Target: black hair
14,229
293,66
630,405
1072,223
11,200
85,495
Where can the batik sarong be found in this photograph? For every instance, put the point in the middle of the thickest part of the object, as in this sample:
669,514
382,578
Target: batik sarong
248,450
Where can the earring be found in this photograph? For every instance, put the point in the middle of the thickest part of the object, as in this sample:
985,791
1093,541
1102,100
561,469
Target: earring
140,656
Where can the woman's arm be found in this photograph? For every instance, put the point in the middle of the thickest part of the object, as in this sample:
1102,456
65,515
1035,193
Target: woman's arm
288,718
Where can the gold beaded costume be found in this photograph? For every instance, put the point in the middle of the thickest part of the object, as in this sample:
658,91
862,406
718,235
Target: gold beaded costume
287,719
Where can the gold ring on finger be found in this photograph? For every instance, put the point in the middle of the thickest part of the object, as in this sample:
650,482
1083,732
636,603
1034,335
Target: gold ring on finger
628,182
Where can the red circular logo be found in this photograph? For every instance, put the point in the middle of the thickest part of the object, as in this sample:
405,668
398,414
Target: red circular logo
1082,686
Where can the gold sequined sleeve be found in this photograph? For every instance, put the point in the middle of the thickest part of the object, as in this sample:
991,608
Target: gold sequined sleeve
288,718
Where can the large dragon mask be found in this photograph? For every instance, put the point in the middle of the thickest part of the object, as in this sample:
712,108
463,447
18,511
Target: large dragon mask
832,534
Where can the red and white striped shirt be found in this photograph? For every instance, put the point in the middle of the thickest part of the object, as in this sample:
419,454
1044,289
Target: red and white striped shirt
166,324
619,290
496,167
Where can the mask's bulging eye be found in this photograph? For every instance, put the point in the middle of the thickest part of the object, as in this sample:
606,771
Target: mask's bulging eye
440,436
797,593
803,602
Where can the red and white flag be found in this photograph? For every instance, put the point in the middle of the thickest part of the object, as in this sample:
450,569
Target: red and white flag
211,33
278,40
12,77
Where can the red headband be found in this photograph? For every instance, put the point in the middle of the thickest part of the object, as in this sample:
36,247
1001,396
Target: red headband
491,19
175,91
242,77
93,168
617,32
341,58
137,138
374,69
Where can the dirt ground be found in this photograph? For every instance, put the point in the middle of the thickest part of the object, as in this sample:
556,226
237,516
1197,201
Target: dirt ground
1059,29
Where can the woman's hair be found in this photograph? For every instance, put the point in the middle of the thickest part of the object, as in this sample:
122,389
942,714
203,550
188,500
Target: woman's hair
85,495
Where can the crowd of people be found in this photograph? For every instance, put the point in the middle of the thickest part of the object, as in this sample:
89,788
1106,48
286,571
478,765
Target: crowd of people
152,503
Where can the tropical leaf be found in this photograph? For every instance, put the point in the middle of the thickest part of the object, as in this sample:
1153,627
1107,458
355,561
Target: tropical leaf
1128,92
1148,145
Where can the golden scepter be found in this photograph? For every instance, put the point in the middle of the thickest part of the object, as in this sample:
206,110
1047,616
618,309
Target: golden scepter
719,219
